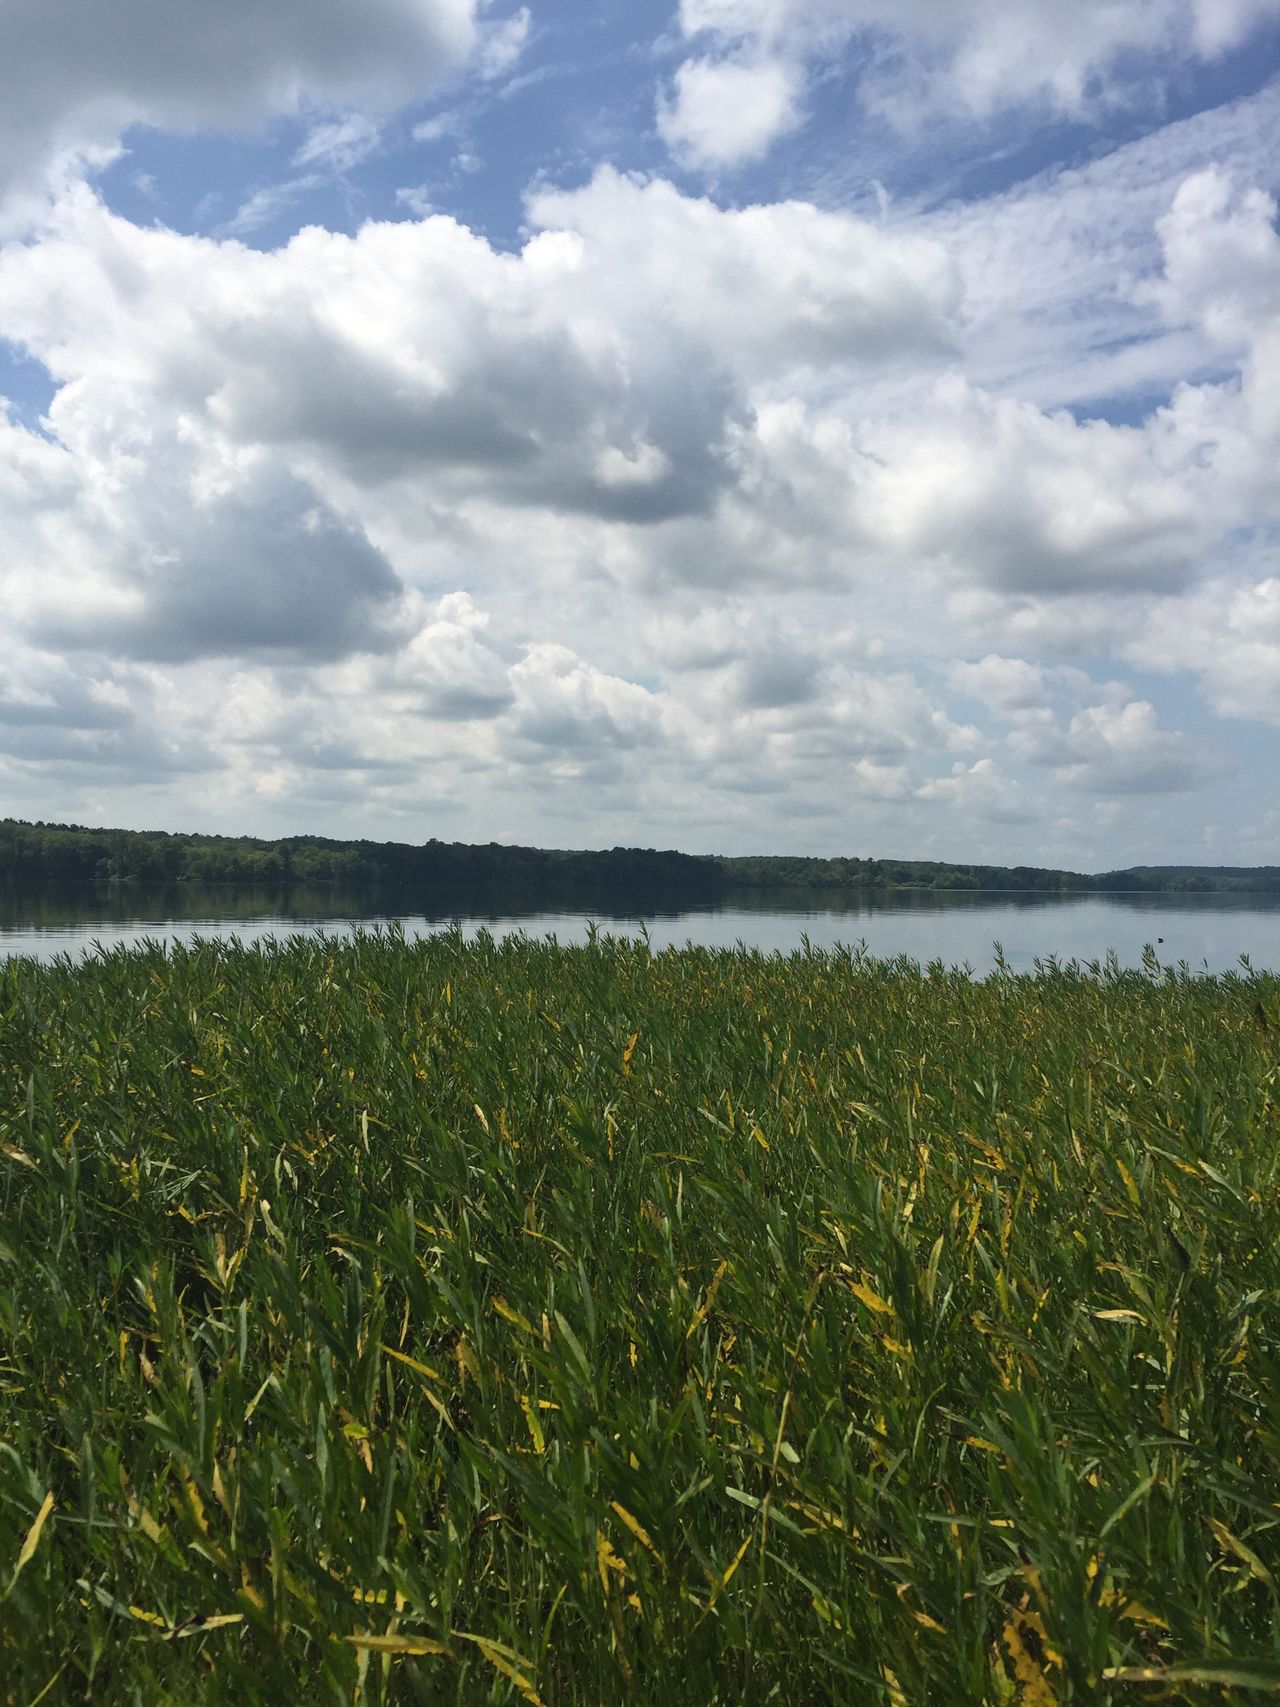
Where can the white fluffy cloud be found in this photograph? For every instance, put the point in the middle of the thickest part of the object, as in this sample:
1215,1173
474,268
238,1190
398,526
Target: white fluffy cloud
1222,260
921,56
449,667
1113,749
979,791
74,76
1006,685
980,58
768,288
667,510
1109,745
415,351
1028,500
264,459
1227,635
725,112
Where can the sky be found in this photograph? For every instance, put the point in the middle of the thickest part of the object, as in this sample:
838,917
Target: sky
796,426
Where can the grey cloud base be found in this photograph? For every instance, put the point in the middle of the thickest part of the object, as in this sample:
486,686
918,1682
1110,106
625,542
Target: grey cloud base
75,75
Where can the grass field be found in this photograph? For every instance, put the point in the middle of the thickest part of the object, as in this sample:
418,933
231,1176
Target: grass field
448,1322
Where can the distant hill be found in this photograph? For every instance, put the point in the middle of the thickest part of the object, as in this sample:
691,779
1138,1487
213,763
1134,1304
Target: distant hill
1198,871
43,852
772,871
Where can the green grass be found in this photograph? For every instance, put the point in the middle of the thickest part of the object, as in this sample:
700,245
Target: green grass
448,1322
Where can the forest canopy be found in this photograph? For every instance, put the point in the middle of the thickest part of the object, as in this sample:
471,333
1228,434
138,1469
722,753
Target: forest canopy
41,852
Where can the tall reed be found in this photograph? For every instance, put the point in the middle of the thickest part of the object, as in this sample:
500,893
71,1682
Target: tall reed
460,1322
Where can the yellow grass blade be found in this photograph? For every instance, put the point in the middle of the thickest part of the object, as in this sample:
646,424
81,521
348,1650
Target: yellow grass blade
608,1560
32,1541
723,1582
1036,1692
637,1529
513,1316
534,1426
1232,1544
420,1645
412,1362
198,1626
871,1298
704,1309
506,1661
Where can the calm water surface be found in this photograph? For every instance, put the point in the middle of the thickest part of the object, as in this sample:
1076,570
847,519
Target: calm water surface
1205,931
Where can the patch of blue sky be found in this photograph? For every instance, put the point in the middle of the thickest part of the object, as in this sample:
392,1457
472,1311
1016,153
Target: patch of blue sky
26,386
1178,702
1131,408
581,94
843,154
194,184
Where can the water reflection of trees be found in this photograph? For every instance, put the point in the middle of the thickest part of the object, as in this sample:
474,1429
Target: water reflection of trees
66,906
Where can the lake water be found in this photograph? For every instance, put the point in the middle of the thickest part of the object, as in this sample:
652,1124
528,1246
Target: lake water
1205,931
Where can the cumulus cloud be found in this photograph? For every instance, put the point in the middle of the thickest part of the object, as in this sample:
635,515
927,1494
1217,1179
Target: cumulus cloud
1061,274
122,535
265,567
924,56
1221,259
1105,742
1228,636
1114,749
570,713
674,519
111,723
414,348
726,112
1006,685
415,352
780,675
1222,273
74,77
979,791
1028,500
771,287
451,669
1020,50
850,722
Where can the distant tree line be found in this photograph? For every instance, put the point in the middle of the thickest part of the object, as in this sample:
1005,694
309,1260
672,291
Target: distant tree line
798,872
33,853
774,870
42,852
